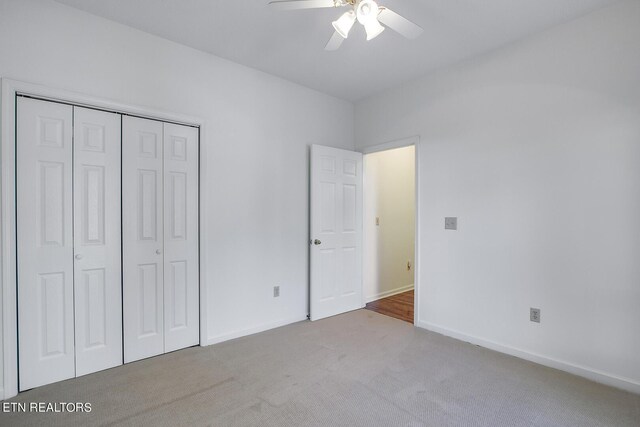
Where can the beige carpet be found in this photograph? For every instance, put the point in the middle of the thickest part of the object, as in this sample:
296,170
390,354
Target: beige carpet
357,369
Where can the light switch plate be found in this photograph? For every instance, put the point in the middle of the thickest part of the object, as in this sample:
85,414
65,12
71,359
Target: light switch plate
451,223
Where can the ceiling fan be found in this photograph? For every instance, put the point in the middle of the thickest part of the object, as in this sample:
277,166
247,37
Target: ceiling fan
374,18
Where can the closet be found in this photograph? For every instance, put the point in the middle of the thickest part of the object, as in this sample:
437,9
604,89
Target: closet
160,198
107,239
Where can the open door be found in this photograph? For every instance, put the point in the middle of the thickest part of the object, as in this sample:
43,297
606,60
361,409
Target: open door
336,231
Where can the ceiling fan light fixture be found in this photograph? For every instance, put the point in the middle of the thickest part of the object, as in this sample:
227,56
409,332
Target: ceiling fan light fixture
373,29
367,13
375,19
344,24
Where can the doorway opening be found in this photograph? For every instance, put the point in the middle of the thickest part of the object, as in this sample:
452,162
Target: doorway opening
389,232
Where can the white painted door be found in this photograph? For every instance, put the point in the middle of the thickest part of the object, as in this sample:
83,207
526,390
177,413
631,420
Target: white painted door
336,231
44,242
181,272
97,236
142,216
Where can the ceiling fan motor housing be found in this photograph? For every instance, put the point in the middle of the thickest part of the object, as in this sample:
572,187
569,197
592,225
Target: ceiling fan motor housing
367,10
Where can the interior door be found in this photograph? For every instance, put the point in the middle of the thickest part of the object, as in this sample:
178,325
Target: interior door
181,272
336,231
97,241
142,216
44,242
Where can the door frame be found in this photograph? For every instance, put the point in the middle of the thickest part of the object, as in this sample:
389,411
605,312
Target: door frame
9,90
401,143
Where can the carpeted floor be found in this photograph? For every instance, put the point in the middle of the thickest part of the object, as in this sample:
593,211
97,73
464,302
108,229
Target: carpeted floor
357,369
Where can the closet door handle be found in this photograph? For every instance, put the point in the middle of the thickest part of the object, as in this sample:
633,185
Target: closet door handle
78,257
158,251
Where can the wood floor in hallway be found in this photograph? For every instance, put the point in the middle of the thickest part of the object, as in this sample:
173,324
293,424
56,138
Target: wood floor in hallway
399,306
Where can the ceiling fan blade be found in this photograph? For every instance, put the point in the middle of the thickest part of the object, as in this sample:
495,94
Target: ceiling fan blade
302,4
334,42
399,24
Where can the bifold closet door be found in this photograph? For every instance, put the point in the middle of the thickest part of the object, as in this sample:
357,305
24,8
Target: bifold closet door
160,243
142,215
181,272
69,249
97,240
44,198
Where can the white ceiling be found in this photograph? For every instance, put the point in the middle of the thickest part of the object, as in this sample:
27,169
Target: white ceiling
290,44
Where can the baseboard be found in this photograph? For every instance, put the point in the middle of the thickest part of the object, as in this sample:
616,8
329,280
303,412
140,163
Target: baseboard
582,371
253,330
390,293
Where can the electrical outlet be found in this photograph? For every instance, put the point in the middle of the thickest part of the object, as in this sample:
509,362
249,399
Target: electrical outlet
534,315
451,223
276,291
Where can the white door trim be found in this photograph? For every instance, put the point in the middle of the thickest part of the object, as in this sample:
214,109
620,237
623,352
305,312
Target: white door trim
397,143
401,143
8,90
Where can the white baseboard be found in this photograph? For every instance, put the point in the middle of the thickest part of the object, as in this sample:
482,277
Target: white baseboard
582,371
390,293
253,330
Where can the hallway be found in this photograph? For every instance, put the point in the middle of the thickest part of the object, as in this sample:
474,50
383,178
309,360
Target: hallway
399,306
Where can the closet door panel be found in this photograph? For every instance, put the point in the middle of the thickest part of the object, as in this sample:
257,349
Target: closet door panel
142,214
44,242
97,240
181,272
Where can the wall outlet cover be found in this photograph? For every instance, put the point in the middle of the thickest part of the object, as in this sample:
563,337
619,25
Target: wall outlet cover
276,291
534,315
451,223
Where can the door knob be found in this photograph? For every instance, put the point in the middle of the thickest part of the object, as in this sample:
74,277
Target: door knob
78,257
317,242
158,251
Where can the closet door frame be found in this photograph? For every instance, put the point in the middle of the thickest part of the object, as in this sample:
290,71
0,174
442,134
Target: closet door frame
9,91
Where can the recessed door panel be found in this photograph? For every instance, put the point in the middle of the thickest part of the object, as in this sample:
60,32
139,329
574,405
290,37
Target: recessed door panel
44,242
178,202
143,250
327,283
349,277
181,271
95,316
97,240
52,315
328,210
350,207
149,312
51,209
179,293
93,208
148,208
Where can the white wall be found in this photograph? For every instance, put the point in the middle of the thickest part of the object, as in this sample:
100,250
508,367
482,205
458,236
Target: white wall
389,194
259,131
536,148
